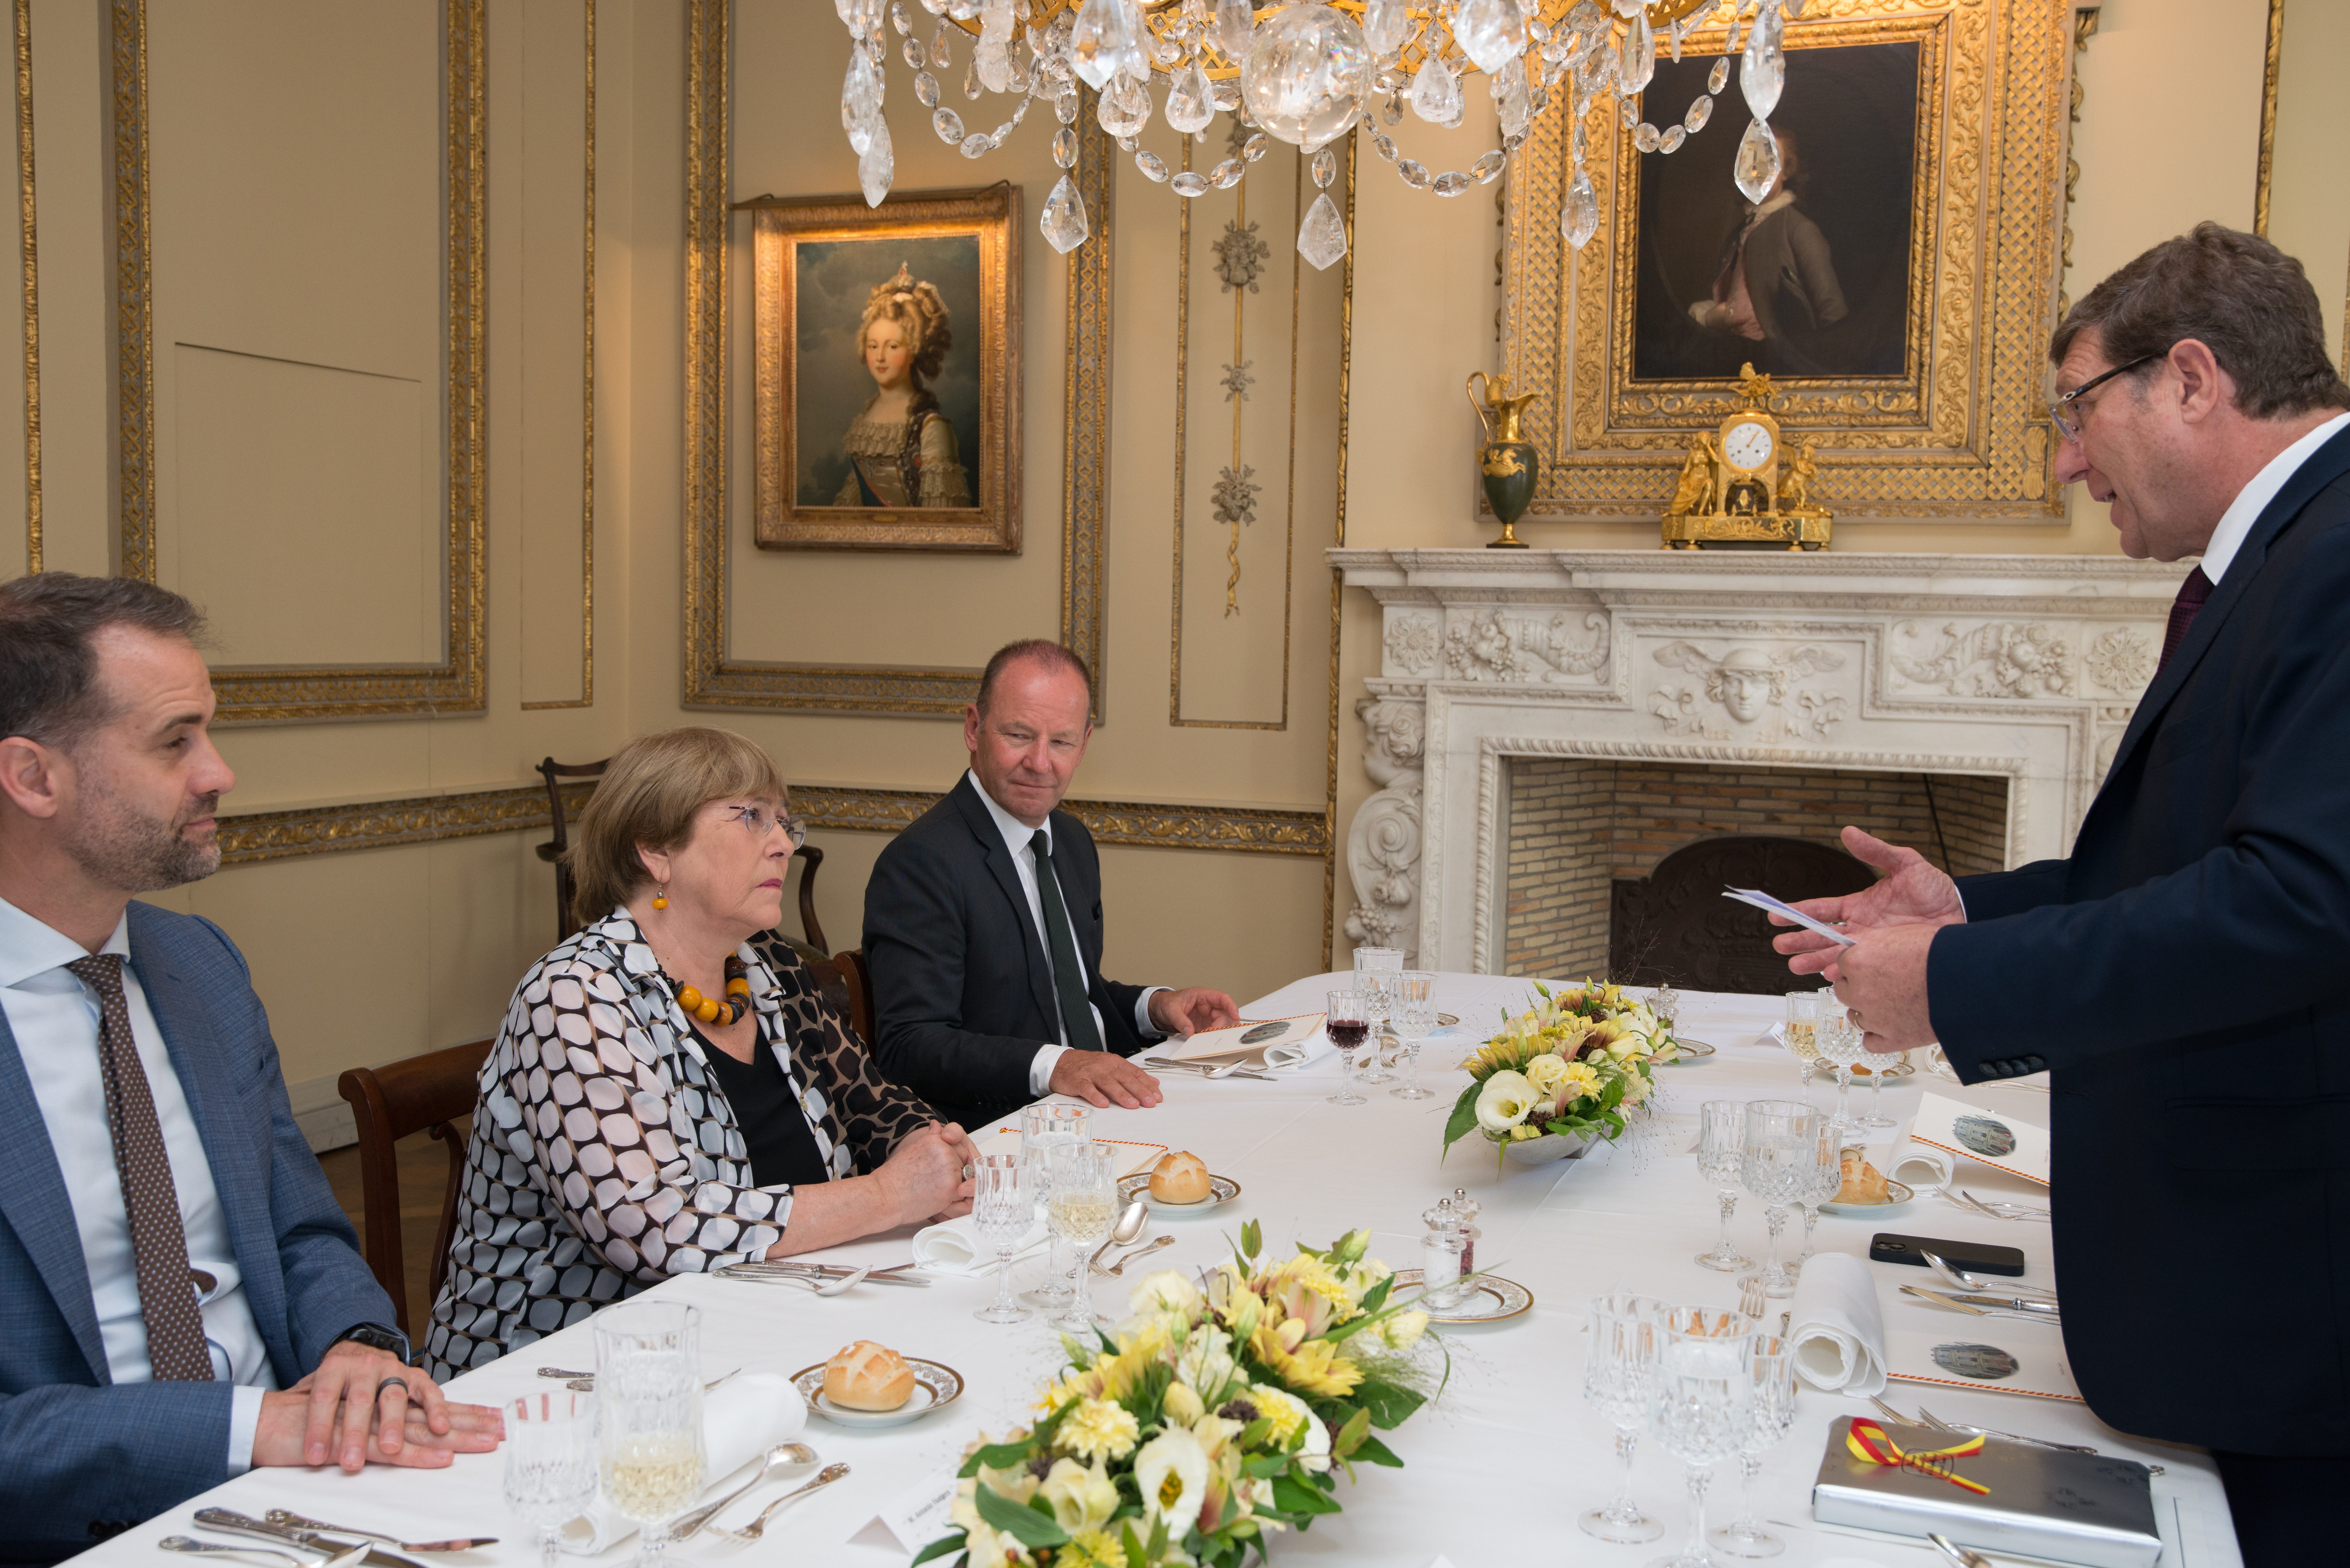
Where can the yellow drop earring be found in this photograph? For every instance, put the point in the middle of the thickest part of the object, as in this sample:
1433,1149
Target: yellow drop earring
661,900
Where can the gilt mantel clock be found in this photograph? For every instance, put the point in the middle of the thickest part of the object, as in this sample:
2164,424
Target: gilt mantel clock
1738,490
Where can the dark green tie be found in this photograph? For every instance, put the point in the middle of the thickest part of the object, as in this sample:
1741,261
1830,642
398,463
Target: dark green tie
1068,982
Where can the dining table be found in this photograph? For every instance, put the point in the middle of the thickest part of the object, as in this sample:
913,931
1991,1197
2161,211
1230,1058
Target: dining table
1496,1466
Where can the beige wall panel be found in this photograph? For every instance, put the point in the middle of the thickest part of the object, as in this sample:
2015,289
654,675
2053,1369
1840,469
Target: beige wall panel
73,158
281,467
2309,198
1247,924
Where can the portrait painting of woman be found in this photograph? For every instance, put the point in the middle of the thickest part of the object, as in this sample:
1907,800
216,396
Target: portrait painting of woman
901,449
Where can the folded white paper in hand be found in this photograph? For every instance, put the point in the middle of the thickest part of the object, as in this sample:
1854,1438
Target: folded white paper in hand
1920,1166
1770,906
740,1422
955,1247
1836,1328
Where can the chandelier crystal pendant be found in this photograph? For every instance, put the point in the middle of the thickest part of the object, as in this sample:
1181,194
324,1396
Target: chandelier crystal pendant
1308,75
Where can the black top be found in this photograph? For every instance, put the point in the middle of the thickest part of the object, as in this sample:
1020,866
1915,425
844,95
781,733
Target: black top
774,1132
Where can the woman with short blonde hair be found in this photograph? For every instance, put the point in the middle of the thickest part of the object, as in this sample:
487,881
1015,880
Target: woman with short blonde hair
669,1094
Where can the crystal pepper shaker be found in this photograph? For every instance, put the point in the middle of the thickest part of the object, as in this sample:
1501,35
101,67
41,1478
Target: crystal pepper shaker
1440,1252
1464,1212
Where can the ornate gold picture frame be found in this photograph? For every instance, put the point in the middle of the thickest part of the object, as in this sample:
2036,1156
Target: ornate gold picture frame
1958,430
887,386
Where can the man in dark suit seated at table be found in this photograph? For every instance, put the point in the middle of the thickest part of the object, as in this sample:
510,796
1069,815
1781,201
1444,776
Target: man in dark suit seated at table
183,1298
987,985
2184,974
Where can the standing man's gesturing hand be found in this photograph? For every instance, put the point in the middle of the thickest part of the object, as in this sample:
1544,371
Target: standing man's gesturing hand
1913,893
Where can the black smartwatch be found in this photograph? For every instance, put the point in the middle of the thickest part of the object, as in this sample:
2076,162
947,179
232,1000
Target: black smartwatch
375,1336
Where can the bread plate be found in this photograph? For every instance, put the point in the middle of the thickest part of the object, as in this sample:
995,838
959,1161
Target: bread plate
1222,1190
1896,1195
936,1386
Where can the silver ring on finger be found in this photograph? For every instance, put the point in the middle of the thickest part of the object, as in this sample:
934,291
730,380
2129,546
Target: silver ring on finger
399,1383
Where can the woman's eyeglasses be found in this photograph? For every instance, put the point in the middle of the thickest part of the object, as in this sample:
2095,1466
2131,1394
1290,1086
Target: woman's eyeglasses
2069,418
760,822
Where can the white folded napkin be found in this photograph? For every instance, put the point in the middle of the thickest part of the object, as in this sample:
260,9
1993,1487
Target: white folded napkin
1920,1166
954,1247
1837,1330
1299,1053
740,1420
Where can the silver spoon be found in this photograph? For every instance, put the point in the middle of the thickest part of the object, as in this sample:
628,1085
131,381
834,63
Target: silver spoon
1129,1226
585,1382
1119,1267
1967,1282
782,1454
750,1531
343,1559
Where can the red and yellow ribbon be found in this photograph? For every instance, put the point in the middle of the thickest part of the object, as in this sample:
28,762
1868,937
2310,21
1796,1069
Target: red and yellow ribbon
1869,1442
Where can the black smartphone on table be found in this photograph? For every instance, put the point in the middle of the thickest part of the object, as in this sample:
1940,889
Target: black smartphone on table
1974,1257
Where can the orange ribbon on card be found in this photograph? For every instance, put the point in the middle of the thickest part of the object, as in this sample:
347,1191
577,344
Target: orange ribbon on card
1869,1442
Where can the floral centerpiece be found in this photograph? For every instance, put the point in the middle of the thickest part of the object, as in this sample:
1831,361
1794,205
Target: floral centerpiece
1214,1417
1576,1064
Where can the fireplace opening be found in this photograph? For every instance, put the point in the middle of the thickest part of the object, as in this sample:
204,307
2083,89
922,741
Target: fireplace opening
1616,867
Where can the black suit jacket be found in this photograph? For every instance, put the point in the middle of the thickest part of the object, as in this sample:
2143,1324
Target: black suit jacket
962,988
2186,974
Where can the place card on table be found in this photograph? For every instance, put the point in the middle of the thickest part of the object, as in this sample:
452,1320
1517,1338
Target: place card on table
1247,1041
1977,1355
923,1513
1007,1140
2000,1141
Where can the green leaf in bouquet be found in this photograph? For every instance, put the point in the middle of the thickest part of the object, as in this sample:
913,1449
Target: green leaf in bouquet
1256,1432
1350,1435
1158,1544
1264,1464
999,1456
1292,1496
942,1547
1388,1404
1252,1240
1018,1520
1463,1119
1373,1452
1376,1296
1134,1551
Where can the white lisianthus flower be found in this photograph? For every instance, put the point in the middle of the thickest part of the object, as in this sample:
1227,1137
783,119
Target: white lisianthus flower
1164,1291
1183,1404
1504,1101
1081,1499
1635,1086
1546,1073
1403,1330
1296,1425
1205,1361
1170,1471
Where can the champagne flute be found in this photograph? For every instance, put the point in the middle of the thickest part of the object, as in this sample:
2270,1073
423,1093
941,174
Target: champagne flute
1376,972
1877,1120
1704,1404
1043,1128
1802,1031
648,1391
1828,1180
1721,1156
1347,1018
1084,1202
550,1464
1002,1212
1771,1360
1620,1382
1781,1163
1415,1019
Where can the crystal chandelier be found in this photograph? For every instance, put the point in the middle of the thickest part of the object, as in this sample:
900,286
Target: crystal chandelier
1306,75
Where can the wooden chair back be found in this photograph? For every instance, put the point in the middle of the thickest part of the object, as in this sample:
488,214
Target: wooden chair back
433,1092
851,964
554,772
811,861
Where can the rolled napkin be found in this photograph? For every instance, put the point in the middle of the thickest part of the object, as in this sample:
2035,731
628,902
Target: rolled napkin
740,1420
1920,1166
954,1247
1838,1333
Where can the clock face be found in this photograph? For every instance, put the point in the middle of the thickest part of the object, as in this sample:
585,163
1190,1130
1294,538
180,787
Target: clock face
1748,446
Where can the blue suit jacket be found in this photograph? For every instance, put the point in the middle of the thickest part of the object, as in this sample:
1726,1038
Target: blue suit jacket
2186,974
80,1455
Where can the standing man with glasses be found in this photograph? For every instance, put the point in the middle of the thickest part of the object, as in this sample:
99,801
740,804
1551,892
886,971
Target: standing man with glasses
983,921
2184,974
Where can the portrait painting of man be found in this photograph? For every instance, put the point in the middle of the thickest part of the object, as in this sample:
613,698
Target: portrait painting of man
1814,279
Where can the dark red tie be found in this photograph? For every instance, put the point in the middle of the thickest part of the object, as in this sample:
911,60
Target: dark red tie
2191,595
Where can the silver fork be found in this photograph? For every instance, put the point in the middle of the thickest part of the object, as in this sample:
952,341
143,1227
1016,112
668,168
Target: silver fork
750,1531
1995,1210
1751,1298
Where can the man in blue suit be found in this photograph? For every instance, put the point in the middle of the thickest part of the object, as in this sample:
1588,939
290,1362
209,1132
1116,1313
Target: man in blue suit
2184,974
183,1298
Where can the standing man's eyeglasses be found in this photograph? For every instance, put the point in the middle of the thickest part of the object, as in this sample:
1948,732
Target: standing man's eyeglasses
2062,410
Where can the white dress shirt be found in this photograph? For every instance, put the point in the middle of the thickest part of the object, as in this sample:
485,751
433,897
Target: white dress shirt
55,1019
1016,835
2253,499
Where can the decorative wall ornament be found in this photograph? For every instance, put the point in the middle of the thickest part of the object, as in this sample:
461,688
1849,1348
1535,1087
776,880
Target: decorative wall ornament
1749,683
1492,646
2121,662
1413,642
1240,256
1237,381
1383,842
1996,658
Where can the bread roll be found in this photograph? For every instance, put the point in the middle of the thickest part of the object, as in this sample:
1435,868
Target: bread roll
1180,1178
1863,1182
868,1376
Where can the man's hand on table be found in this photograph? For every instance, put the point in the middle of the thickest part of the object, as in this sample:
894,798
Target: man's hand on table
350,1405
1103,1078
1191,1010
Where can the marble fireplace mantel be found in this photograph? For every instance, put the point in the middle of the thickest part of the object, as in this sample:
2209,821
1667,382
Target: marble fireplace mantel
2026,666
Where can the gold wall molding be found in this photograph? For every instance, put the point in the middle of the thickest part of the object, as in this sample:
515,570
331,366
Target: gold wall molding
586,698
255,836
32,289
1338,581
715,679
2270,68
275,695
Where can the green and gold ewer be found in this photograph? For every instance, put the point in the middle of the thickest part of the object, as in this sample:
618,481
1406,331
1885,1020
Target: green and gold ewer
1507,463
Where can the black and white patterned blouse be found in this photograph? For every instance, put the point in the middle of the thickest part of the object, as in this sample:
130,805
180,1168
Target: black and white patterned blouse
603,1156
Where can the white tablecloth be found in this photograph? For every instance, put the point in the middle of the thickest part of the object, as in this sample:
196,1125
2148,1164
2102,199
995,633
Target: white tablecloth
1496,1469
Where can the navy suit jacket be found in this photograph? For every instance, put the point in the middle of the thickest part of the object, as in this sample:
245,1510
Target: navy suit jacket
80,1455
963,988
2185,974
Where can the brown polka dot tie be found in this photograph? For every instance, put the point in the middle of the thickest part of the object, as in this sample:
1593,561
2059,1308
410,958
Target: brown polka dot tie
159,1246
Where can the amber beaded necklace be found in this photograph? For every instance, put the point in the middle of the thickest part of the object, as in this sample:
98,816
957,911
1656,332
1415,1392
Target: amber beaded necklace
709,1008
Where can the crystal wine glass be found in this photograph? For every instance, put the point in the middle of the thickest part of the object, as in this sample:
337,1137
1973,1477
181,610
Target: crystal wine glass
1085,1200
1001,1211
1415,1019
1349,1020
1043,1128
1802,1031
1704,1403
1840,1046
1772,1362
1377,973
649,1394
1828,1179
1877,1120
550,1464
1721,1156
1620,1382
1780,1165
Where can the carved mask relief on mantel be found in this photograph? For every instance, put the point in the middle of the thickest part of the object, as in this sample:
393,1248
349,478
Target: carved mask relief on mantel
1768,691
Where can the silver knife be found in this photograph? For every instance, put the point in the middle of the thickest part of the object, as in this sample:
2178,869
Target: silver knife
242,1524
802,1271
2012,1304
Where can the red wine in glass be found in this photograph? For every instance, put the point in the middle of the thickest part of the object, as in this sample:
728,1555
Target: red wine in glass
1349,1035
